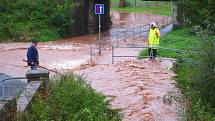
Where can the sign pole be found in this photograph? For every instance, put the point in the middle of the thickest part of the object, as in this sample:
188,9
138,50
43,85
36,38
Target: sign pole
99,10
100,41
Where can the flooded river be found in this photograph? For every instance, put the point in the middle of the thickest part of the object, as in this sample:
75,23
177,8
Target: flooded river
67,53
70,53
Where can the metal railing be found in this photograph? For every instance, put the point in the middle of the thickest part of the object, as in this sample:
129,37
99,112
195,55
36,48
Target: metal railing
115,38
134,32
10,90
146,47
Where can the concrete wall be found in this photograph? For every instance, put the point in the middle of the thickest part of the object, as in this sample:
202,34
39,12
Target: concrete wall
37,83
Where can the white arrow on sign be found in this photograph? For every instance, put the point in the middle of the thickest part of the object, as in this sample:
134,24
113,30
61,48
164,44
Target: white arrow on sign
100,9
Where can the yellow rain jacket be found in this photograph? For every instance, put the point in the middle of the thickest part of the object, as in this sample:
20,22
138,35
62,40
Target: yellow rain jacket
153,40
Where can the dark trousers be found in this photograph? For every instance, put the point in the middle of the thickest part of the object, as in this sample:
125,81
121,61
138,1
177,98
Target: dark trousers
33,67
152,53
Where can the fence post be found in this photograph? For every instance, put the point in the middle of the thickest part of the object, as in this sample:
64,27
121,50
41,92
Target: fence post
124,36
157,23
112,54
91,53
140,31
167,21
117,41
3,90
110,42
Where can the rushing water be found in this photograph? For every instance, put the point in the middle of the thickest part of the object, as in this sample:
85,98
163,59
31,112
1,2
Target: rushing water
71,52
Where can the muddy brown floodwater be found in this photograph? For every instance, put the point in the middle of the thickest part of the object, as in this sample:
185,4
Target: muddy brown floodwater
67,53
135,86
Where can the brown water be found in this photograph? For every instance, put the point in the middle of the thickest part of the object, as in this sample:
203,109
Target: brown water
67,53
136,87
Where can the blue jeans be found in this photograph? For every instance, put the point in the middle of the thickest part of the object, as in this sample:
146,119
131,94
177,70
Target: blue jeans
33,67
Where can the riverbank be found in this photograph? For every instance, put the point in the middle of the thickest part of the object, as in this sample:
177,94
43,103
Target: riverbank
190,68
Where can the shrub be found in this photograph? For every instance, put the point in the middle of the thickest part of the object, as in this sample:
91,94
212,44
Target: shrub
71,99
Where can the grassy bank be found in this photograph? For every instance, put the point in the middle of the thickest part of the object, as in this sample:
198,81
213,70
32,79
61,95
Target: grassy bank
71,99
180,39
195,72
160,8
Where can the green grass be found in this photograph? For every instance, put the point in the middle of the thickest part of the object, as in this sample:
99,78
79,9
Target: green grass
179,39
160,10
71,99
187,68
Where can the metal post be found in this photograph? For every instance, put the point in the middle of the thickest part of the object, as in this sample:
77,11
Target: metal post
3,90
110,42
124,36
117,40
91,53
100,35
140,31
167,21
112,54
133,33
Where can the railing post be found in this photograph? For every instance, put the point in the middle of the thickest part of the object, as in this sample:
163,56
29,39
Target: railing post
140,31
124,36
91,53
110,42
112,54
3,90
117,41
167,21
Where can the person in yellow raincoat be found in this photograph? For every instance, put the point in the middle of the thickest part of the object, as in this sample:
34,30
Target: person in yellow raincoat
153,40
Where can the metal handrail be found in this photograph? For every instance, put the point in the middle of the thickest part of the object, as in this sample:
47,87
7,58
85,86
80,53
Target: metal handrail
13,79
145,46
171,49
3,86
116,35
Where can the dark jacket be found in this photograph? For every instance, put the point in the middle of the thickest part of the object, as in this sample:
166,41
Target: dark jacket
32,56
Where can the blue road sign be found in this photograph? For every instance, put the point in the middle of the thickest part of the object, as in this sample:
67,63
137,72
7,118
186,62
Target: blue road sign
99,8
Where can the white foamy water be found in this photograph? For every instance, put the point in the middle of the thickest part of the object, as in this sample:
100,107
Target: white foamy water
60,47
66,64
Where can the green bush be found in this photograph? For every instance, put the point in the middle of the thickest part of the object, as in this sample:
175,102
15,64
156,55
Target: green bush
30,18
197,13
71,99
